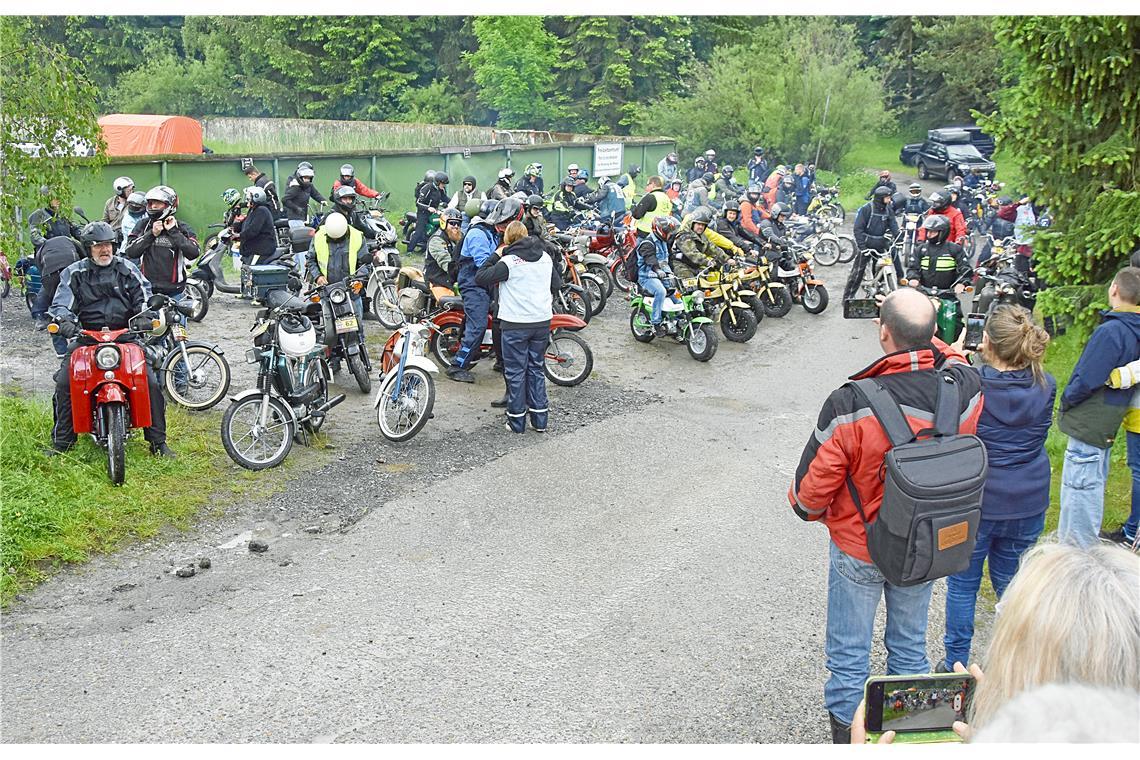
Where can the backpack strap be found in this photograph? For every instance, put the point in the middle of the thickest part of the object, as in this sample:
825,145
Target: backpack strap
946,413
886,411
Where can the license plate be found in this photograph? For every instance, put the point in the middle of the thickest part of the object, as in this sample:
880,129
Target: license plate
344,324
179,331
580,267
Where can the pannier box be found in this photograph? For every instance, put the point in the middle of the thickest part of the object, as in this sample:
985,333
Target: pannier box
949,136
267,277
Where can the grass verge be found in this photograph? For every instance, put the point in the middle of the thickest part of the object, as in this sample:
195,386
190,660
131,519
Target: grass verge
62,510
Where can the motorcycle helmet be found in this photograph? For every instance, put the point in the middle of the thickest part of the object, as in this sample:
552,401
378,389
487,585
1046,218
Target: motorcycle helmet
881,194
508,210
450,216
231,195
915,189
304,165
471,208
757,151
699,162
884,174
254,195
702,215
572,169
634,170
506,173
305,172
708,179
664,227
161,202
937,228
568,181
345,196
295,335
671,158
604,180
487,207
781,170
779,210
442,178
121,184
535,201
753,193
347,173
96,232
520,196
710,154
787,181
583,175
469,180
335,225
939,200
429,176
731,205
533,170
136,202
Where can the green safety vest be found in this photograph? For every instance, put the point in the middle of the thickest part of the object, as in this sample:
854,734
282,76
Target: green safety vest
664,208
321,245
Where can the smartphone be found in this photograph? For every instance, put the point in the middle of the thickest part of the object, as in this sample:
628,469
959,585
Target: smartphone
912,704
860,308
975,324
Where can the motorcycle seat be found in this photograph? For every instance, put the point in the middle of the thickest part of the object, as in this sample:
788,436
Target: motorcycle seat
281,223
451,302
286,301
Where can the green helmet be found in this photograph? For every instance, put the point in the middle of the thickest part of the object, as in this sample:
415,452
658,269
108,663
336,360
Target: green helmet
534,170
231,196
472,207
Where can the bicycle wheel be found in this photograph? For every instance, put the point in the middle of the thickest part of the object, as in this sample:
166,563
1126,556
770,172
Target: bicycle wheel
826,251
403,415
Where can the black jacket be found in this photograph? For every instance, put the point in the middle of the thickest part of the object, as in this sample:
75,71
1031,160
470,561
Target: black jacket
527,186
875,227
58,254
733,232
926,268
258,235
98,296
44,224
774,233
430,196
163,259
270,189
297,198
881,183
338,260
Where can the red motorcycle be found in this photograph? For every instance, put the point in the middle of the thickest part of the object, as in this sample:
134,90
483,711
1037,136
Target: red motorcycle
109,390
568,356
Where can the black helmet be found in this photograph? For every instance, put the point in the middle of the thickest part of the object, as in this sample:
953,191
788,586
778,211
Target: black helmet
345,195
951,190
702,215
939,200
758,151
634,170
442,178
754,190
732,205
937,227
726,171
486,207
96,232
778,210
469,180
429,176
664,227
708,178
535,201
568,180
881,193
788,181
508,210
450,215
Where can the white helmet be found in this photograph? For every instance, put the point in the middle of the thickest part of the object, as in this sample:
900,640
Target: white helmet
506,173
296,336
122,183
335,225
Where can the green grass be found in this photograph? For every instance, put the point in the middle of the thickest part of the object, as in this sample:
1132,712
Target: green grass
64,509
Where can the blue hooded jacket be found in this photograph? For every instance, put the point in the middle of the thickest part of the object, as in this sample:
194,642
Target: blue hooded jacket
1016,416
1114,343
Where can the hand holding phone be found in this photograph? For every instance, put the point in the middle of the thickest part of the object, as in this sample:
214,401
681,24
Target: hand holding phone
975,327
922,708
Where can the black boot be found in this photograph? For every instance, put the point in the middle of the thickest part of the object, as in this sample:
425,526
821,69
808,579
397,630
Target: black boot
501,403
840,731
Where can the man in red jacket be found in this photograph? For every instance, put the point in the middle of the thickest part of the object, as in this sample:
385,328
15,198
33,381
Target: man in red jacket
940,205
849,443
348,177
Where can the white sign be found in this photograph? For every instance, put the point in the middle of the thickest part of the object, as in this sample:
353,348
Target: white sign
607,159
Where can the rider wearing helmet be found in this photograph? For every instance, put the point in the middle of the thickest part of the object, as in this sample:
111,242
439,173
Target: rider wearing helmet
884,181
465,193
774,230
348,177
502,187
336,253
757,167
536,226
774,178
942,205
698,170
565,203
652,254
913,202
710,162
937,263
299,190
786,191
696,245
875,229
480,242
430,200
163,246
257,177
101,291
726,188
609,197
653,204
133,217
581,189
627,182
753,211
116,205
440,263
531,182
256,231
344,203
728,225
667,168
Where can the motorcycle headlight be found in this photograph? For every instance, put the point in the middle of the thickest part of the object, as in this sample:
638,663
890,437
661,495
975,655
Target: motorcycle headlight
338,296
107,357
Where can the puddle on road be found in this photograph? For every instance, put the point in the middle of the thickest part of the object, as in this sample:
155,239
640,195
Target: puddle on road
238,540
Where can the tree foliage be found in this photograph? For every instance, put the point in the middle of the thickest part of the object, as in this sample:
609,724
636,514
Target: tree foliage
1073,118
513,67
734,102
45,102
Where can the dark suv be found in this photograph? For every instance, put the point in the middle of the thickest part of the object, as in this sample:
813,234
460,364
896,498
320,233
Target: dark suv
946,153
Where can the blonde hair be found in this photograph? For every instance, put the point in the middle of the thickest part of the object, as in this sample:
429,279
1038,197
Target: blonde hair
1071,615
1016,340
515,231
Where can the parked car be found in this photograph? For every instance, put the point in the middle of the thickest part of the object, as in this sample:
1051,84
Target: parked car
983,142
946,153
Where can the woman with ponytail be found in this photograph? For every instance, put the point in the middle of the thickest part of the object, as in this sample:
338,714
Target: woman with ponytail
1017,411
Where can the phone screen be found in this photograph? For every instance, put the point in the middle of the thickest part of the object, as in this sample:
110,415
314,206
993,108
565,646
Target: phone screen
975,324
922,703
860,308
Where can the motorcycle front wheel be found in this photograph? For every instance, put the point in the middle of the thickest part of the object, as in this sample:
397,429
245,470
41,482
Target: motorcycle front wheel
702,342
314,373
358,370
846,249
814,299
250,444
597,290
445,343
603,275
776,302
400,418
575,303
640,326
385,306
622,282
826,251
737,324
207,377
568,359
115,429
198,298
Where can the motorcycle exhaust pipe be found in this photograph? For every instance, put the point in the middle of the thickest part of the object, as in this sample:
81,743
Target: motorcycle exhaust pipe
324,408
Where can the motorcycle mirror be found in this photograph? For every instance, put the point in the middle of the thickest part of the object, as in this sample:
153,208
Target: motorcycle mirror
156,301
79,210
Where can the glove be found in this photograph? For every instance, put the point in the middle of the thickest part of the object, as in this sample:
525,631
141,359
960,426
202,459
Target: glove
67,329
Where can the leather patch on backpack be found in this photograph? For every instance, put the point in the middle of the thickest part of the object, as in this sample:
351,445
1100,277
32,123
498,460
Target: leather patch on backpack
952,535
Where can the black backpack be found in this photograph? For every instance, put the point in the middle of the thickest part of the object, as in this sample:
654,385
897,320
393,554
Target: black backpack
932,490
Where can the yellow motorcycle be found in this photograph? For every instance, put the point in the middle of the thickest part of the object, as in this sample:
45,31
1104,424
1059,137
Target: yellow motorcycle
772,297
726,302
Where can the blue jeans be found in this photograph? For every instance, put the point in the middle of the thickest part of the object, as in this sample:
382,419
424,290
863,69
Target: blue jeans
524,357
476,305
853,591
1003,542
1133,521
657,289
1083,478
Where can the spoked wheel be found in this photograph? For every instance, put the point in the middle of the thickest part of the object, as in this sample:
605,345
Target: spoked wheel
835,212
640,326
314,373
603,275
386,307
826,251
199,300
814,299
445,343
115,428
620,280
702,342
249,443
575,303
200,380
360,372
597,291
737,324
776,301
846,249
403,415
568,359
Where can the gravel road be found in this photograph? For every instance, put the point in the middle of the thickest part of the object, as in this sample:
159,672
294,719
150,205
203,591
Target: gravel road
635,575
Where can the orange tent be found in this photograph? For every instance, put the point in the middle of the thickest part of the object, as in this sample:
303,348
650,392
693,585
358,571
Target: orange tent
129,134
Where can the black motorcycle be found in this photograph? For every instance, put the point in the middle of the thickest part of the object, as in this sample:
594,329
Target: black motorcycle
999,283
339,329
